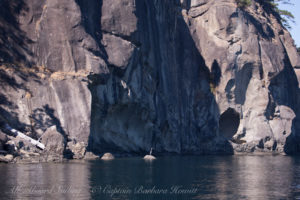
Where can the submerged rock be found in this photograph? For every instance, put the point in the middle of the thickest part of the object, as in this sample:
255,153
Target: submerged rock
149,157
90,156
77,149
7,158
107,156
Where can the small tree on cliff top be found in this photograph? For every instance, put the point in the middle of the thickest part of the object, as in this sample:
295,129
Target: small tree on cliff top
284,16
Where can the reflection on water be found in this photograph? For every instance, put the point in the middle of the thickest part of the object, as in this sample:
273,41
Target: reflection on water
190,177
50,181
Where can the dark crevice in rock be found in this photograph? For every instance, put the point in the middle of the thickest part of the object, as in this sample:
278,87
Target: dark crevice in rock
230,29
269,113
215,74
98,53
242,79
97,79
199,14
261,71
228,89
91,18
117,71
123,37
234,40
229,123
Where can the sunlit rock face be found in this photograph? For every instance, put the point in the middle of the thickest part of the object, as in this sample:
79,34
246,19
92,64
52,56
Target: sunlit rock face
124,76
252,61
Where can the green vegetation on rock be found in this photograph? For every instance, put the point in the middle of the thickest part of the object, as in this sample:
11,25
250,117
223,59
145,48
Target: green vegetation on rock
284,16
243,3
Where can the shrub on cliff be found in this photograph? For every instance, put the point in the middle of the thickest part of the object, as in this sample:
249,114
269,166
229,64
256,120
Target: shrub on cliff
243,3
284,16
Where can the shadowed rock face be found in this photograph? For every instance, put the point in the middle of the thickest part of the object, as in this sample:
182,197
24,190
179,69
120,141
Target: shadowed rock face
229,123
125,76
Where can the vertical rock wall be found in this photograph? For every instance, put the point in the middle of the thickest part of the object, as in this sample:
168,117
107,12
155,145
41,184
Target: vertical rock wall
189,76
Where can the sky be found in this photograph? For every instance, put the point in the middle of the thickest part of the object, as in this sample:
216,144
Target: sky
295,10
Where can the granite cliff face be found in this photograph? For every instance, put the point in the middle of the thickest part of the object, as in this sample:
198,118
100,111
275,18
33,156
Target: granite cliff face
189,76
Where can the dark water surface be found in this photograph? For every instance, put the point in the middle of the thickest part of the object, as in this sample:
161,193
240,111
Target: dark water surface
175,177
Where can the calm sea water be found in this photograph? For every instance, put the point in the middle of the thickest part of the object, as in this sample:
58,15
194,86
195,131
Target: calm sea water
175,177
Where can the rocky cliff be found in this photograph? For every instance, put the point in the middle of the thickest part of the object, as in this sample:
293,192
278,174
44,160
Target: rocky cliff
189,76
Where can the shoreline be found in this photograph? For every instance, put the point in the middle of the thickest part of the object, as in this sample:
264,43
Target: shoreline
42,159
